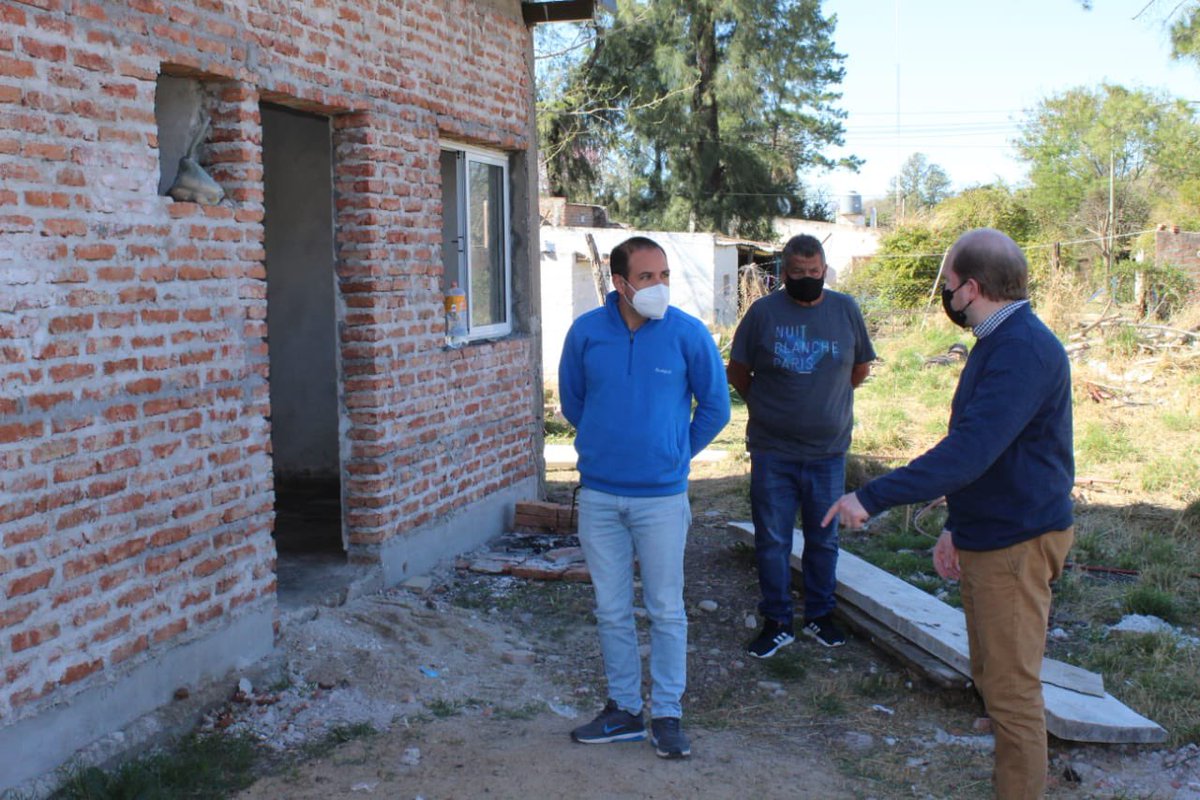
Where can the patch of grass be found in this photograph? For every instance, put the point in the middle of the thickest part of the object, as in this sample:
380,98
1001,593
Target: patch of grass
786,665
879,685
1173,473
341,734
828,704
1122,341
442,708
1100,443
202,767
1179,423
1151,601
527,711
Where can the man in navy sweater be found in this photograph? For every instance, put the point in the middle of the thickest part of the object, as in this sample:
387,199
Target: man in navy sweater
628,375
1006,468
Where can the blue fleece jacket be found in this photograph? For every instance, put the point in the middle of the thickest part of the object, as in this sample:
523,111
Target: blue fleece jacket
1007,465
629,395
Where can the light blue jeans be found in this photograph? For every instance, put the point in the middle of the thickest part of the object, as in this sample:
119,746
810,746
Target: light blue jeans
611,530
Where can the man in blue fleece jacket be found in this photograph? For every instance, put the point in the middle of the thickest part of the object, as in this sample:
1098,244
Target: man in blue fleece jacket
1006,468
628,375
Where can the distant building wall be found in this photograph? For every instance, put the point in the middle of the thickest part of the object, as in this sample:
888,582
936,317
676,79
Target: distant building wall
1181,249
842,243
698,266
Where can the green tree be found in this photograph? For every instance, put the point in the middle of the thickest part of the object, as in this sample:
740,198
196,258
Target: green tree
698,113
1185,35
992,206
919,185
1098,156
903,270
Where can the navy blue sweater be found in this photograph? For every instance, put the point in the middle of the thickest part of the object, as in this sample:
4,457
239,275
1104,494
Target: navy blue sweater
1007,464
629,395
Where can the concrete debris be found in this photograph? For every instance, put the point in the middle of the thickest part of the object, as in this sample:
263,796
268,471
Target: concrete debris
520,657
1146,623
982,743
531,556
856,740
418,583
709,605
411,757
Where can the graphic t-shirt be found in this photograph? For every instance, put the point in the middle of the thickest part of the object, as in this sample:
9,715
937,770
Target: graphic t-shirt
800,358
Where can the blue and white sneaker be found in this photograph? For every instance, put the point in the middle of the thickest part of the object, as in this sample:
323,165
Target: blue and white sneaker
613,724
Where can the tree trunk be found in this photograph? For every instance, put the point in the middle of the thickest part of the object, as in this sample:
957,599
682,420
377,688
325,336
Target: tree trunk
707,147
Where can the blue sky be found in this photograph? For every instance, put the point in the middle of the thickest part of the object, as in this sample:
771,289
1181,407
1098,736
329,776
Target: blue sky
968,71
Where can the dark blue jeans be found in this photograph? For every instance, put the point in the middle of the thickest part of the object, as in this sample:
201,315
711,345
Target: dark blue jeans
778,487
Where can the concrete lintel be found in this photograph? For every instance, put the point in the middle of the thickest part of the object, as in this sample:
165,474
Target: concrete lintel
33,748
415,552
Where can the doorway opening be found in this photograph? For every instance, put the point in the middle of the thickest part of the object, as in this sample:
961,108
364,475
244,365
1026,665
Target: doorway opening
302,343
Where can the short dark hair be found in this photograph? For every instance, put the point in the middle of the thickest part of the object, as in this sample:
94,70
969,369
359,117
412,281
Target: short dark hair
803,245
992,260
618,259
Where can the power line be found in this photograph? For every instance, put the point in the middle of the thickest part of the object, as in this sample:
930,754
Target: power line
1029,246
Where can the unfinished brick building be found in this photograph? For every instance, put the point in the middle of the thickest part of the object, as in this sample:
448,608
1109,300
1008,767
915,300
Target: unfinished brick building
174,373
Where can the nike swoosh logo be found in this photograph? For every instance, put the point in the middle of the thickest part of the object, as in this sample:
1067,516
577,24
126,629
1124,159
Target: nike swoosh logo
609,729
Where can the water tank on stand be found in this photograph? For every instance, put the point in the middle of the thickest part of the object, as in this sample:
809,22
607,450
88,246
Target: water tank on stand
850,209
850,204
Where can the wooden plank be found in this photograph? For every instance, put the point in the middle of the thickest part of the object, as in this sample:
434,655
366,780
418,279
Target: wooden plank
924,664
941,630
922,619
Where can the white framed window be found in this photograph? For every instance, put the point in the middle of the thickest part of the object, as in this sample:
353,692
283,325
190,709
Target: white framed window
475,236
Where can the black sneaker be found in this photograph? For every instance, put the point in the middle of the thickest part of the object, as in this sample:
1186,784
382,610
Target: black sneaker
611,725
668,738
825,631
773,636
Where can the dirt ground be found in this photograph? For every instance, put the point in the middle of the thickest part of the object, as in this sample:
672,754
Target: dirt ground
473,683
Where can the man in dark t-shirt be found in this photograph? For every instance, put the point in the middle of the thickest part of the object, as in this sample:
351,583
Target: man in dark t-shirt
797,356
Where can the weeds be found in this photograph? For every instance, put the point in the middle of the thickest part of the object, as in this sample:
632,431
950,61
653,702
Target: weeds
199,767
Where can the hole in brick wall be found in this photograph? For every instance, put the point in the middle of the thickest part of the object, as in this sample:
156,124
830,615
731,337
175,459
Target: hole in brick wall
177,109
181,111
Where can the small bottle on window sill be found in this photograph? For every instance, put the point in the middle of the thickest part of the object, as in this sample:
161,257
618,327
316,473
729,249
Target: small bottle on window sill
456,316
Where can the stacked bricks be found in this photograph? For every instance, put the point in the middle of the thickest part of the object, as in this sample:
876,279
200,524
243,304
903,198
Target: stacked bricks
135,472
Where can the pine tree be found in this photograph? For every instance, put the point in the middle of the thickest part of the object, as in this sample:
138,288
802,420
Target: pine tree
699,114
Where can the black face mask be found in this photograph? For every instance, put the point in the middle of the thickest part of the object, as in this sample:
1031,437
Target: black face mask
959,317
806,289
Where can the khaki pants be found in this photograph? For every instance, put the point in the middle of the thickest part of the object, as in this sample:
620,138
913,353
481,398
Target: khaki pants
1006,599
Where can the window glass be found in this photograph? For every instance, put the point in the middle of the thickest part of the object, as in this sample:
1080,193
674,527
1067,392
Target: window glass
475,242
489,296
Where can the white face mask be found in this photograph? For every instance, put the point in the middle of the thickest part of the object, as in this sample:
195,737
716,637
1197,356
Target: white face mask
652,301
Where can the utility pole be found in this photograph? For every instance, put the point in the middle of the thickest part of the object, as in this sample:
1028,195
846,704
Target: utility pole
1112,216
899,205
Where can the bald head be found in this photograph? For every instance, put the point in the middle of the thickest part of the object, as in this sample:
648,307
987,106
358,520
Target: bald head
993,261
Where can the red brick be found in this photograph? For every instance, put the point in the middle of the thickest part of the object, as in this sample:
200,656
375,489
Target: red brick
78,672
32,637
170,630
130,648
29,583
14,613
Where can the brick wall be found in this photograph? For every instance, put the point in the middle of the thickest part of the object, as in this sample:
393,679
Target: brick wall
1179,249
135,472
